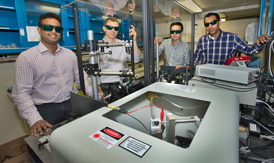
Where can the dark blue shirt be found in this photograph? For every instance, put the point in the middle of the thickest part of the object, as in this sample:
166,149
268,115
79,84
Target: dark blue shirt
219,49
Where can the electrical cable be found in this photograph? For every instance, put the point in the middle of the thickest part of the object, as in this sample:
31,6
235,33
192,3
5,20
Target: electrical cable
270,59
257,149
145,107
257,100
179,106
268,160
225,86
269,111
138,121
214,83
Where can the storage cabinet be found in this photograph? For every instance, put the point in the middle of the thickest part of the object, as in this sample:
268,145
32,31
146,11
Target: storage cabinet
18,16
10,28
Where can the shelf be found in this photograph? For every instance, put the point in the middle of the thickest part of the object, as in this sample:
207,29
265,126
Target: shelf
8,28
12,50
7,8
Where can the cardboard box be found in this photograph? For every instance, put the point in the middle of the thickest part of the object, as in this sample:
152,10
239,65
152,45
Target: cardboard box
13,149
22,158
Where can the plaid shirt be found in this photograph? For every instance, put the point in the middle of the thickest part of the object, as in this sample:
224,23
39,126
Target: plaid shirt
218,50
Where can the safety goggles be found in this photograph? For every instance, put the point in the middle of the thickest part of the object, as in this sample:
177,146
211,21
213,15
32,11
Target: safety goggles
115,15
111,27
175,32
50,27
213,22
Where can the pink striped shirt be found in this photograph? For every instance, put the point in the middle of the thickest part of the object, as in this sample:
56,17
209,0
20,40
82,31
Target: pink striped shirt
42,77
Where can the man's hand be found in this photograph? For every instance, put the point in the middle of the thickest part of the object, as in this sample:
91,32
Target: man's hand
132,32
262,39
156,40
178,66
38,127
102,95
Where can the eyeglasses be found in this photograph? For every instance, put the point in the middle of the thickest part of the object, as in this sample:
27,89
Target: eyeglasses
115,15
50,27
111,27
213,22
175,32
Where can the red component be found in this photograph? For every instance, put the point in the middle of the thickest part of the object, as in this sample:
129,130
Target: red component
112,133
162,114
233,60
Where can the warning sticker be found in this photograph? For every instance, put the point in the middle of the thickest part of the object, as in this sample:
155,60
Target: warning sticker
107,137
135,146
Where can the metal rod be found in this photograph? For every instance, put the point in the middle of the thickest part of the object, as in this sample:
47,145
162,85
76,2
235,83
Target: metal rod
151,40
92,60
192,45
157,61
78,50
115,73
146,43
112,45
170,128
132,56
185,120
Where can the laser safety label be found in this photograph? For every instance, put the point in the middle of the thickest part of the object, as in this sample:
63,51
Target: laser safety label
107,137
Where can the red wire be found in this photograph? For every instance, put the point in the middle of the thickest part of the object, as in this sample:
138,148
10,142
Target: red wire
161,114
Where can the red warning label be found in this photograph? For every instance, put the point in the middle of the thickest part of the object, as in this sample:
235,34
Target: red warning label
107,137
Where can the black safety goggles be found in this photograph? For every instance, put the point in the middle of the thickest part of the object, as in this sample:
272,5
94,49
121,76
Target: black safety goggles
213,22
111,27
175,32
49,28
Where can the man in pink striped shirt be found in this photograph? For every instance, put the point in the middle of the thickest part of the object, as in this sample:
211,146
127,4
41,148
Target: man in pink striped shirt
44,76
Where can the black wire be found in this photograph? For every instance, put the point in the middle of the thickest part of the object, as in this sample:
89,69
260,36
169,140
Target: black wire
138,121
250,88
242,142
223,86
253,152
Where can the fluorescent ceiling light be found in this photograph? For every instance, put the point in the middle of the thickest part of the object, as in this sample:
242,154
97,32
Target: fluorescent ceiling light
189,5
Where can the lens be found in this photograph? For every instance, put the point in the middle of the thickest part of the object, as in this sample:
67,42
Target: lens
50,27
213,22
111,27
59,29
175,32
47,27
206,24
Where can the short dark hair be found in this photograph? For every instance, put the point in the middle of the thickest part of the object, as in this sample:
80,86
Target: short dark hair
113,19
48,15
210,14
177,23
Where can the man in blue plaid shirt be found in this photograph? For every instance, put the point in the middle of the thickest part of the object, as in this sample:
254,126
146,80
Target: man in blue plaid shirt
218,46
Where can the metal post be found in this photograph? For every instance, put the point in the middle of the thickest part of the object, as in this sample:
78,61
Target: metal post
192,45
170,128
78,50
151,40
157,61
270,18
92,60
147,78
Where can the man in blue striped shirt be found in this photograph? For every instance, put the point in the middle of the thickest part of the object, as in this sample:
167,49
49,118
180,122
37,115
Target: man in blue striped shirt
218,46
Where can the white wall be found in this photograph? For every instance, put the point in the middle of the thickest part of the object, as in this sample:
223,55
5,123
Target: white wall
11,124
238,26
